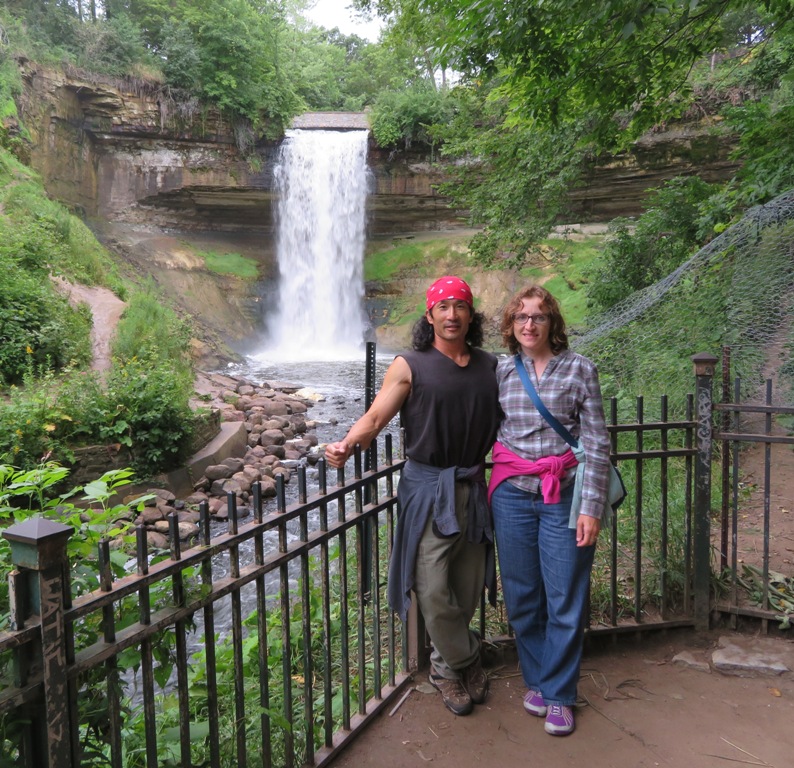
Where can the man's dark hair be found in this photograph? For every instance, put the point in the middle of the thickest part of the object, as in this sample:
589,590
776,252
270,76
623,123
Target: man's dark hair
423,334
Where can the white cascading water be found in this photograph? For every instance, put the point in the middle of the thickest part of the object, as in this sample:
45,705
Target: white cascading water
321,180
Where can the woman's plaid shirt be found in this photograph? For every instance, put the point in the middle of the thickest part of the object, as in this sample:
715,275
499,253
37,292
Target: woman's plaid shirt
569,389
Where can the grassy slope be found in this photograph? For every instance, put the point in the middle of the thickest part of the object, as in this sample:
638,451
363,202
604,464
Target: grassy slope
559,267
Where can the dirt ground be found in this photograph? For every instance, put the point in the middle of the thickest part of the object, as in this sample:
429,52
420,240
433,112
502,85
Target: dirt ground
638,709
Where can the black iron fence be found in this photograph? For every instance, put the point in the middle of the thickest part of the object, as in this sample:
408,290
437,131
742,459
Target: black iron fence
271,644
757,506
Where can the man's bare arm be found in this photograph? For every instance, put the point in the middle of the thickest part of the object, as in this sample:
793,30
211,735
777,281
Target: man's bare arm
396,388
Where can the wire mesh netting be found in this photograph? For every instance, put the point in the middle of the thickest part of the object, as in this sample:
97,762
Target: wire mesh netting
737,291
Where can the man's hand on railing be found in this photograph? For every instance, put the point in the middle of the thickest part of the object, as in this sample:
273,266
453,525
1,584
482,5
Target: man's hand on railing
336,454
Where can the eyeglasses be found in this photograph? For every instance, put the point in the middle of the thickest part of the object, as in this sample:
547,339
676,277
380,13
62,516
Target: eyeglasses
536,319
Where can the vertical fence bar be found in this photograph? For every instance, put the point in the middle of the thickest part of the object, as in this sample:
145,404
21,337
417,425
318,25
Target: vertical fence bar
209,641
111,665
72,685
325,577
237,638
389,539
704,377
361,600
613,575
376,608
180,633
737,390
664,543
725,461
638,516
147,652
265,728
344,600
688,463
767,502
286,649
306,617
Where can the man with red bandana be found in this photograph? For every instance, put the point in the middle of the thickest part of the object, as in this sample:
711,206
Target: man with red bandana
445,390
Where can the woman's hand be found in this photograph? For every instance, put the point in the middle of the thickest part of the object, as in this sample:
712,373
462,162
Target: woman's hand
587,529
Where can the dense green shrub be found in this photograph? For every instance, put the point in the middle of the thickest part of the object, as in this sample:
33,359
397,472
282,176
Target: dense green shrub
38,327
144,406
112,45
181,56
148,328
637,255
403,118
148,410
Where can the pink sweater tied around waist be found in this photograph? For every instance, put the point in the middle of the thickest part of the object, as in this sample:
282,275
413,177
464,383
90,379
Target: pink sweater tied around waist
550,470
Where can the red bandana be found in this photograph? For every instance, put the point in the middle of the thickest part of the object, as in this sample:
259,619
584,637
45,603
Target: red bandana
448,287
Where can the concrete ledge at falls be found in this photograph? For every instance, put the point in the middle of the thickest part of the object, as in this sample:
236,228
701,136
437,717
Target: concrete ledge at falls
230,441
332,121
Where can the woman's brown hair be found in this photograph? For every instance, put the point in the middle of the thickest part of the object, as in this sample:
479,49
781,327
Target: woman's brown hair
558,339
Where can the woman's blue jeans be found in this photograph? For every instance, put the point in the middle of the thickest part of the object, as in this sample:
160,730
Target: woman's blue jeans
545,580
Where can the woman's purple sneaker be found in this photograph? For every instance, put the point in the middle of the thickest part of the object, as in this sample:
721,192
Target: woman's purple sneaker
559,720
534,704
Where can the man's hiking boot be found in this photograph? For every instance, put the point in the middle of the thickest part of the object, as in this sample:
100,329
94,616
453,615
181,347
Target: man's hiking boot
455,697
475,681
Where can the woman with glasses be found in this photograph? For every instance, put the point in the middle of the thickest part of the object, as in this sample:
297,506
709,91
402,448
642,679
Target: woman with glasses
545,551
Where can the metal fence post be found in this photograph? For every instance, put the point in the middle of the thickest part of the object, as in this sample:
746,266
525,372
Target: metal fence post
38,551
704,377
369,463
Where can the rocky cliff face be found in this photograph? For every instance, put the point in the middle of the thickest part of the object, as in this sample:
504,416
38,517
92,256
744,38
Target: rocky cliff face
162,181
122,150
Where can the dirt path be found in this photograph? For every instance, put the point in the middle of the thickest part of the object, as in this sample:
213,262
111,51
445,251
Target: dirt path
106,309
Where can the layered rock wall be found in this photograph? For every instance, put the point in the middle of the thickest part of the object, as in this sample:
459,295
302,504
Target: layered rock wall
123,150
104,145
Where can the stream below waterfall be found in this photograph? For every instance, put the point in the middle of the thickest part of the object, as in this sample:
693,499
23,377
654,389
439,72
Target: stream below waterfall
341,385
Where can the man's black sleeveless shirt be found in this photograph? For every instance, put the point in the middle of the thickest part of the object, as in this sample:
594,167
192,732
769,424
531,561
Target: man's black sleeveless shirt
452,414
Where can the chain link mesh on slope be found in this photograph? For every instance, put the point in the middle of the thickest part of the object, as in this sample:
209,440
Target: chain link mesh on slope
737,291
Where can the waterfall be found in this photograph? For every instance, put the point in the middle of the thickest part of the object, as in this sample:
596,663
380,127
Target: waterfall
321,181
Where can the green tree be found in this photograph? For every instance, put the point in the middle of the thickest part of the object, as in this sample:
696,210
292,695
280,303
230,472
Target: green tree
513,178
550,84
637,255
411,27
402,118
565,58
181,56
241,65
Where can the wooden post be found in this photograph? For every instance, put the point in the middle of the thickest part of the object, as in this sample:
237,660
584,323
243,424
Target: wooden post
38,551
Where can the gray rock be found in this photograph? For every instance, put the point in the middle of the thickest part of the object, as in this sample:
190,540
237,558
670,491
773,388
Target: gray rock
750,657
219,471
187,530
162,495
242,480
271,437
234,462
687,659
156,540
